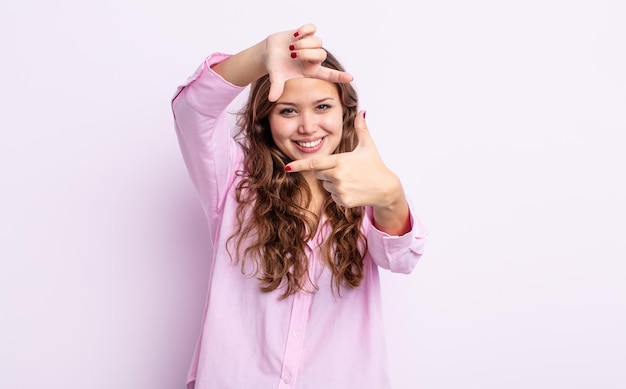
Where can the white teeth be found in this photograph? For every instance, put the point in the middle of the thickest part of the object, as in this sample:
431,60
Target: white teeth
310,144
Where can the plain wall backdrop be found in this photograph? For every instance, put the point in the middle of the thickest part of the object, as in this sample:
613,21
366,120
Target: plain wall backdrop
505,121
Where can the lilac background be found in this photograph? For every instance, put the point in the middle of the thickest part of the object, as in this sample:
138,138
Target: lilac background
505,121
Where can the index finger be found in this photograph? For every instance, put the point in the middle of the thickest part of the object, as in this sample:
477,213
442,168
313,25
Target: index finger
332,75
312,164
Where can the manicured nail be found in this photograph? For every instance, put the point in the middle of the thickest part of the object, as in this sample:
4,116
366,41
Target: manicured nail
296,34
287,168
364,112
292,47
294,54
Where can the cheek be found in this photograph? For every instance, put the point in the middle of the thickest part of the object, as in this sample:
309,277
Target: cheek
335,123
278,129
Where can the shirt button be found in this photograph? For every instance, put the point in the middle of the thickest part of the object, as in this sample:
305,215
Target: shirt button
296,334
287,380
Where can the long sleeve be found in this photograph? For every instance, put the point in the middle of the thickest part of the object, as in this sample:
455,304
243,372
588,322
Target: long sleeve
314,338
396,253
201,121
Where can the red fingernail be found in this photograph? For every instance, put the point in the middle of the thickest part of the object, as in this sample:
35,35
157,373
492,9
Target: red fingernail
296,34
364,112
292,47
287,168
294,55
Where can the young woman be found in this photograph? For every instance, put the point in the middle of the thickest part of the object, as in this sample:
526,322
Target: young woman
301,212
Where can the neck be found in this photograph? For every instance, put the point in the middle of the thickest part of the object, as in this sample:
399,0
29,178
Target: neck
318,194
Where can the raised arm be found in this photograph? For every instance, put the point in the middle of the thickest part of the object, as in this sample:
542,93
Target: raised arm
284,55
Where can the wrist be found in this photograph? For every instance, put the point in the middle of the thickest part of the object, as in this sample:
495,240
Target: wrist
392,196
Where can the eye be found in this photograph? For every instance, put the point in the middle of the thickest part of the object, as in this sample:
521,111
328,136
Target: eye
324,107
287,111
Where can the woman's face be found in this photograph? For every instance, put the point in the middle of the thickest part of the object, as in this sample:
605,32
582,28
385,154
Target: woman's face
307,119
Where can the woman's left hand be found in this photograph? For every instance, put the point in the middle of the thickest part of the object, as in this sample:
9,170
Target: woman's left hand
355,178
358,178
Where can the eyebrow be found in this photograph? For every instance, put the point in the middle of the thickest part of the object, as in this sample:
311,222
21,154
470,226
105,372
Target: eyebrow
314,103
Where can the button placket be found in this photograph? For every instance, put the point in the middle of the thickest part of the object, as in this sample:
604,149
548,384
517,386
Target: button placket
297,326
293,349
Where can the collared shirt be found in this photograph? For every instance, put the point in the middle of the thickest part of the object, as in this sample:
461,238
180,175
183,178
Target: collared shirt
250,339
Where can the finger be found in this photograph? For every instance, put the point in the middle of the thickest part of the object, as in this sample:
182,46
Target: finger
276,88
324,175
304,31
336,199
362,132
329,187
321,163
332,75
311,42
313,55
317,56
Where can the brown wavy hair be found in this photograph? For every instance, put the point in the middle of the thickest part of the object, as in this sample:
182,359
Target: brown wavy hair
273,220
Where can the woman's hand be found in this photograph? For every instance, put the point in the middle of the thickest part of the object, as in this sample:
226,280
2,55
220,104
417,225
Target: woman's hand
284,55
360,178
294,54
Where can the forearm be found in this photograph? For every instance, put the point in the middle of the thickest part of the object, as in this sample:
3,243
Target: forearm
244,67
392,216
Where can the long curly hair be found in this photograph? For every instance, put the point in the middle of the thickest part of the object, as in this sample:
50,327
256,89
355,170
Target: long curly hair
273,221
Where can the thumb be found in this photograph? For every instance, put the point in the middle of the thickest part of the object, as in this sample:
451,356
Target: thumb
276,89
362,132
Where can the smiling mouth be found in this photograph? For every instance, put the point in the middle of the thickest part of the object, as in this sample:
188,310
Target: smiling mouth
310,144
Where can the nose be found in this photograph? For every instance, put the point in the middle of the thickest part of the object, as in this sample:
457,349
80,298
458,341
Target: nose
308,123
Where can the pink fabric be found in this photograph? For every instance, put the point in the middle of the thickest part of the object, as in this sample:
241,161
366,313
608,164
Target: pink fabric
249,339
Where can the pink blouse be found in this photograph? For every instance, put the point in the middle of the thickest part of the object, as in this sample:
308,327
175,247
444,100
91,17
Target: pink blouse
250,339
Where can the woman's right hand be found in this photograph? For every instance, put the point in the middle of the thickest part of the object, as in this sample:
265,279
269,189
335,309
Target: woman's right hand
294,54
